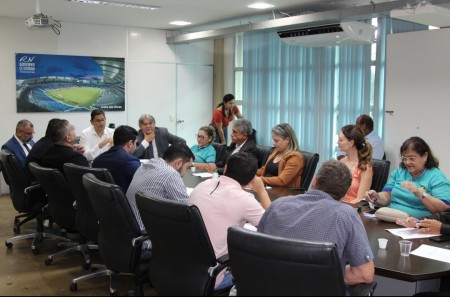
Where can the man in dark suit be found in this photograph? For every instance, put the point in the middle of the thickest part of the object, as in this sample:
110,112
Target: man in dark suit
21,142
153,141
119,159
242,140
63,136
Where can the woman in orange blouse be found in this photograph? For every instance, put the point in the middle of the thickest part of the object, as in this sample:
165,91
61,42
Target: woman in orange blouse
223,115
285,165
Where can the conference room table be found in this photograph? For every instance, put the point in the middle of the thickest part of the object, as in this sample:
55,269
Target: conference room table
396,275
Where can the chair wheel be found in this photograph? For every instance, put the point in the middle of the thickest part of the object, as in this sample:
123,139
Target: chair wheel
73,287
86,266
48,261
16,229
8,244
113,294
35,251
16,221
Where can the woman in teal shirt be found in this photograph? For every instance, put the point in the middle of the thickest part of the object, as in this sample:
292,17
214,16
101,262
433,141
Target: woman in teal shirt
417,187
204,152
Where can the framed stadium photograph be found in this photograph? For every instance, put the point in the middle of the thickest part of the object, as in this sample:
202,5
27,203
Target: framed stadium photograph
59,83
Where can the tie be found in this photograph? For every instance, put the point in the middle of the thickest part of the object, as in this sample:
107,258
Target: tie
26,147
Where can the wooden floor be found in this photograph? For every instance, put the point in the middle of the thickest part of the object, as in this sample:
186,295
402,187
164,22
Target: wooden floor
25,274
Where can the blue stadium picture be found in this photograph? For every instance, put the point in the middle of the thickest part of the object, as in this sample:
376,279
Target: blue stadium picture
59,83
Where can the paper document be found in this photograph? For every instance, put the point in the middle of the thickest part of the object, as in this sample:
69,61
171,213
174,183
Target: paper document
189,190
250,227
203,174
409,233
431,252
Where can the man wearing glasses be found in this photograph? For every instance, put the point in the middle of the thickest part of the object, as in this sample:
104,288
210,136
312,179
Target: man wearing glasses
98,138
21,142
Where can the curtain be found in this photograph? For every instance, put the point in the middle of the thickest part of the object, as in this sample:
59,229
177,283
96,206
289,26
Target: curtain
316,90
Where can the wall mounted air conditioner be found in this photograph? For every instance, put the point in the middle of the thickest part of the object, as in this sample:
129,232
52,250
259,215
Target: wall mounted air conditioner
345,33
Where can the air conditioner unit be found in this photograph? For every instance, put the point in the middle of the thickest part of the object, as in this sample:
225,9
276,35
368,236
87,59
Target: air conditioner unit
345,33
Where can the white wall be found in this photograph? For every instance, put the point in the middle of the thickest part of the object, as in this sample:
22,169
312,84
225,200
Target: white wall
155,72
418,93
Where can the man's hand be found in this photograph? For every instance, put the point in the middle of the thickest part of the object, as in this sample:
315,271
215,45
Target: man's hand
78,148
106,141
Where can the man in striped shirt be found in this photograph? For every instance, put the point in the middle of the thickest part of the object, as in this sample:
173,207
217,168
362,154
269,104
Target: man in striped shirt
162,177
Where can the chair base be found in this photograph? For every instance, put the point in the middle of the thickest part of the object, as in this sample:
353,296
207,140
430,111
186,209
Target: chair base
74,247
37,238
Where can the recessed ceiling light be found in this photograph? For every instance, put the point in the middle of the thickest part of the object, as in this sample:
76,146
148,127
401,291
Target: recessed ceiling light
119,4
180,23
261,5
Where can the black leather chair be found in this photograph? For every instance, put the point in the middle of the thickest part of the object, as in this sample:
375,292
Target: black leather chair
311,160
221,154
120,238
263,152
61,207
86,221
28,199
183,259
266,265
380,174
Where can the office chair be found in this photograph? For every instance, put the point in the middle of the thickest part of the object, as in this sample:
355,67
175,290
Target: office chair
263,152
267,265
86,220
311,160
120,237
221,154
183,259
28,199
380,174
61,207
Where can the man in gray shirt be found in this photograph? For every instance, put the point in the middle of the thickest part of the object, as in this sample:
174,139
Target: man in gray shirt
162,177
318,215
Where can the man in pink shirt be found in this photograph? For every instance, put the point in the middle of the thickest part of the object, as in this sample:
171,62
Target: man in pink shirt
223,203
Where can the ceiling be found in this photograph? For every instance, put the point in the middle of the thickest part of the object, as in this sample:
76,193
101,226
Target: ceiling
198,12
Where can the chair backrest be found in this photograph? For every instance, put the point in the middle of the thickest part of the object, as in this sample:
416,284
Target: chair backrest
17,180
86,220
118,225
221,154
311,160
263,152
181,249
60,198
266,265
380,174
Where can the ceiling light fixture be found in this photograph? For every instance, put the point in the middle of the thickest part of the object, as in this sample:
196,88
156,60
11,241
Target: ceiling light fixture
180,23
118,4
261,5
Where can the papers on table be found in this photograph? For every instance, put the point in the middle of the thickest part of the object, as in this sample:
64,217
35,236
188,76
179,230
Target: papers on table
409,233
203,174
189,190
250,227
431,252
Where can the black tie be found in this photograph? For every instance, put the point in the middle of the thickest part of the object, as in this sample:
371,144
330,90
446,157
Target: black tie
26,147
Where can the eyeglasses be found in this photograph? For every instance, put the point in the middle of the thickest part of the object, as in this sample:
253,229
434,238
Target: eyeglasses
410,159
199,136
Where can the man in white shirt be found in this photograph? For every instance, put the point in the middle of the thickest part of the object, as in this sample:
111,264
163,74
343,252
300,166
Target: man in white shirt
365,122
98,138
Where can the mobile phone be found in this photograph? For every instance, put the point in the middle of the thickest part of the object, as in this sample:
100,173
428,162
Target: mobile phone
372,211
441,238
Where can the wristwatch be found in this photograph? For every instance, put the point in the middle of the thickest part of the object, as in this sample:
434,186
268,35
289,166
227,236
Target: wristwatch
424,195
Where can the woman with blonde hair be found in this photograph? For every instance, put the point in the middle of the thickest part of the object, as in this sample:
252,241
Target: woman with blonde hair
358,160
285,165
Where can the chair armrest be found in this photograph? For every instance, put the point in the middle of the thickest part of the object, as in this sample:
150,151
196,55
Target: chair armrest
138,241
223,262
364,289
32,187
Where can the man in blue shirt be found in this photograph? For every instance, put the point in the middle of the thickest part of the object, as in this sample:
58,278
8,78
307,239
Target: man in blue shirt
21,142
318,215
119,159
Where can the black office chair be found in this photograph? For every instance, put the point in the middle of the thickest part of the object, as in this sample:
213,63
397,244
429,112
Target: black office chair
61,207
263,152
311,160
86,220
221,154
120,238
380,174
28,199
267,265
183,259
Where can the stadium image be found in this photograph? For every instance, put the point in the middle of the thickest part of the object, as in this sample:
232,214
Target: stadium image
49,83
